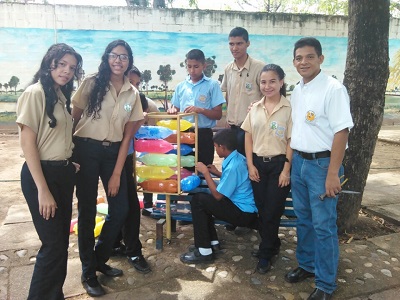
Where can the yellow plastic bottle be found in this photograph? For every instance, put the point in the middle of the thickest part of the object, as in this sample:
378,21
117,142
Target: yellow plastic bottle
173,124
98,228
154,172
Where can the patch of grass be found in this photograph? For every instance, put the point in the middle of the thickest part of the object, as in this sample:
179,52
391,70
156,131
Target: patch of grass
9,97
8,117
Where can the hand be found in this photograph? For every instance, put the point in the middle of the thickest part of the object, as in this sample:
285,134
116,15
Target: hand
213,169
332,185
253,173
284,179
201,167
172,110
47,204
192,109
77,167
113,185
250,106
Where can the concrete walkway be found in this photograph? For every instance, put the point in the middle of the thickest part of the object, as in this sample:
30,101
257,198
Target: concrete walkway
368,269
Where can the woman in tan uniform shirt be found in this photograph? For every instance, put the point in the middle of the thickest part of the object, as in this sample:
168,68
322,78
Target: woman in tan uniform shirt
268,128
48,176
107,113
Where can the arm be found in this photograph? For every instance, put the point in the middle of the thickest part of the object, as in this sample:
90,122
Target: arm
47,204
76,116
210,182
284,177
129,131
248,147
213,170
213,114
173,110
332,183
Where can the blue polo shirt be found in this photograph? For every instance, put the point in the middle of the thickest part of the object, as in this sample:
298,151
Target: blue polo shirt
205,93
235,182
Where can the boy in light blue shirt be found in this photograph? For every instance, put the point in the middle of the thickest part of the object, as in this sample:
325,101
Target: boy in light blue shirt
202,95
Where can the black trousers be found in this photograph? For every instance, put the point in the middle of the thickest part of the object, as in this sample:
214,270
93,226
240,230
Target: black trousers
205,207
131,227
51,261
205,151
97,161
270,201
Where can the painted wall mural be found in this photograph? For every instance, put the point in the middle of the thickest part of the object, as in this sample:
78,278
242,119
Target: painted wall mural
23,48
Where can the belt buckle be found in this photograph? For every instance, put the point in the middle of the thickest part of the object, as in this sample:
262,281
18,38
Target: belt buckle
106,143
66,163
267,159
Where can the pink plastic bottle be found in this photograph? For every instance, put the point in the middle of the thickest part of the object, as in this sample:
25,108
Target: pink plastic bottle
153,146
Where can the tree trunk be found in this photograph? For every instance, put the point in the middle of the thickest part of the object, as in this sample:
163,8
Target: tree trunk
366,75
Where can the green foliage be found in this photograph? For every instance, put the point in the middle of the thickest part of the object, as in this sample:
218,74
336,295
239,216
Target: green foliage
9,97
146,77
165,73
7,117
14,81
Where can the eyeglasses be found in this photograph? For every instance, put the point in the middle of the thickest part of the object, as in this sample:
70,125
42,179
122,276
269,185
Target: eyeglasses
122,57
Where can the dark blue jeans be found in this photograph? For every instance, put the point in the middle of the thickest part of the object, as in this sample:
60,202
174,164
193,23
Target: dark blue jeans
51,261
97,161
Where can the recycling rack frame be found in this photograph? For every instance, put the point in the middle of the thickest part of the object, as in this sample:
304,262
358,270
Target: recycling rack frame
178,117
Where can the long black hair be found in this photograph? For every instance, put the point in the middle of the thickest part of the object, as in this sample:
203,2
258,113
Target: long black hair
102,80
49,63
281,74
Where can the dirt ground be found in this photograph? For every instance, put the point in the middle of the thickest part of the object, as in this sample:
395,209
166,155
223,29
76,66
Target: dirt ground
11,161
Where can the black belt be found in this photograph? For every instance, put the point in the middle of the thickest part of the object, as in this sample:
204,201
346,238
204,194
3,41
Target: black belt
235,127
316,155
280,157
101,143
55,163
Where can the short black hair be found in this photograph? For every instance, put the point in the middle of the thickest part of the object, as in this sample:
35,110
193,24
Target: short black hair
227,138
136,71
196,54
308,41
143,100
239,31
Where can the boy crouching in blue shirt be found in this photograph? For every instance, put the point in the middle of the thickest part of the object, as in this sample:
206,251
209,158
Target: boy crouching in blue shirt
231,201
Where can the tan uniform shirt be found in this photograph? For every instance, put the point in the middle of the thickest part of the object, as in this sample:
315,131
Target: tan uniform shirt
242,87
115,111
53,143
270,133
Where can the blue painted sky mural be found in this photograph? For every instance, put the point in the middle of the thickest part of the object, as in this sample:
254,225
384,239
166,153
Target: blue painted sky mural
23,49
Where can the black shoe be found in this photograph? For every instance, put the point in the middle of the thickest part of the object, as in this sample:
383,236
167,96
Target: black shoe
319,295
230,227
93,287
196,257
146,212
140,264
298,275
109,271
263,265
215,248
118,250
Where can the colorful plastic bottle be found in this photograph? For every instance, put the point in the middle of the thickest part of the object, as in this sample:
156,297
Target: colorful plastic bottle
189,183
97,221
160,186
155,146
173,124
102,208
169,160
153,132
73,222
100,199
186,138
154,172
98,228
184,173
185,150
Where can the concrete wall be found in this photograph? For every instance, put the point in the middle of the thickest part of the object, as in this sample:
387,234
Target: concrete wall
163,36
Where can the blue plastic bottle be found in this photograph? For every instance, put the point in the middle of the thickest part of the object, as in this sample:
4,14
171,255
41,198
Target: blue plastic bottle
189,183
153,132
185,150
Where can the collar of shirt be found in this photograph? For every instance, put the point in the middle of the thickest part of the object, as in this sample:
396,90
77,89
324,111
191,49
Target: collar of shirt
246,65
282,102
205,78
314,81
229,158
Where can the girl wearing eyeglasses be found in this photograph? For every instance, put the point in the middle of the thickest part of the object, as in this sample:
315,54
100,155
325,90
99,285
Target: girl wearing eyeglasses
107,113
48,175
